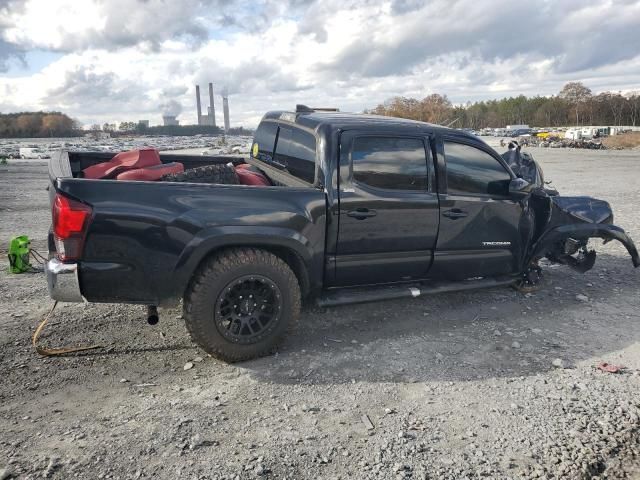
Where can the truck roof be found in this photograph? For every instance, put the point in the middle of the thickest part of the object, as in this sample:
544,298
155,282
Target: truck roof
339,120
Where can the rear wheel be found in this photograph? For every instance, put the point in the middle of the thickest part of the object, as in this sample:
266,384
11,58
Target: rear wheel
241,304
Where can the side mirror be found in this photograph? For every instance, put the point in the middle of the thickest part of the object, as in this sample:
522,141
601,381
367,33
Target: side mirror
519,187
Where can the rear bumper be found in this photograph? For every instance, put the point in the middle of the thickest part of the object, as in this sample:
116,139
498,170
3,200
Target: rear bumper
63,281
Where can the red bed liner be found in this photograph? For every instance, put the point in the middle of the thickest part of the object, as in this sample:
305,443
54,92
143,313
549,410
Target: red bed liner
130,160
145,165
153,173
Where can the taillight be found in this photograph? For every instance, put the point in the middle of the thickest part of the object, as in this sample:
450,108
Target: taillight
70,223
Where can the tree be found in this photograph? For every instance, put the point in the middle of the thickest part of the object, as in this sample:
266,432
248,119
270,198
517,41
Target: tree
633,99
95,127
617,103
574,103
576,94
37,124
435,108
30,125
56,124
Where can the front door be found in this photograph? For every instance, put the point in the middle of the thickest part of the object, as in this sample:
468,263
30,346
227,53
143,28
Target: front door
481,232
388,215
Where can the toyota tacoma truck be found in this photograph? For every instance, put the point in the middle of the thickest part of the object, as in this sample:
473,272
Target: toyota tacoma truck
348,208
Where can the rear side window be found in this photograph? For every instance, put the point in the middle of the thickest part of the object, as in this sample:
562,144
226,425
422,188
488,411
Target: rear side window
473,171
296,153
389,162
263,141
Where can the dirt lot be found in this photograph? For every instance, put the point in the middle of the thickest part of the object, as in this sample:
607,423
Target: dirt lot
627,140
490,384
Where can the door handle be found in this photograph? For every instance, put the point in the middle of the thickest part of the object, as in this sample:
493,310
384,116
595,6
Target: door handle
361,213
455,213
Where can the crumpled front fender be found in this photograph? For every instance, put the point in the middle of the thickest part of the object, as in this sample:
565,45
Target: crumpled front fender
550,239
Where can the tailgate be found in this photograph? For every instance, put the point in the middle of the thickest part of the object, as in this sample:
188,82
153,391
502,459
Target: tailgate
59,166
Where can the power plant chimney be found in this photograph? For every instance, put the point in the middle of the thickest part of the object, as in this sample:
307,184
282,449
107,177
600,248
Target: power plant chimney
198,105
212,108
225,109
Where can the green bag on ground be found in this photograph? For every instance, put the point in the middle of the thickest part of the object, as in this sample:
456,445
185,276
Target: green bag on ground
19,249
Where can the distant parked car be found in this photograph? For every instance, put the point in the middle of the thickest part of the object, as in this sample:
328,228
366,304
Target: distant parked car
32,153
520,132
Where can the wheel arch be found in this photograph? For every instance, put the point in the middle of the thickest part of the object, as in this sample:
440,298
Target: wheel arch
290,246
584,231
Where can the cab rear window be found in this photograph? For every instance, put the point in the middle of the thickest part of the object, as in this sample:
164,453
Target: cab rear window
264,142
288,148
296,153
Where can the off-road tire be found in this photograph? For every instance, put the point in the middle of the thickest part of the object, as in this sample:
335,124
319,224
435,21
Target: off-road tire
525,285
210,281
221,174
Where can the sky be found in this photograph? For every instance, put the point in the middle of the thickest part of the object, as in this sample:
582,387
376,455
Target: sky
127,60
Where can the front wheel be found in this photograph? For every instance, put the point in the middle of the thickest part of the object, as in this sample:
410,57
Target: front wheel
531,279
241,303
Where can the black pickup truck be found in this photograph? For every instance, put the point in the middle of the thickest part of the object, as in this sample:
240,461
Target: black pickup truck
358,208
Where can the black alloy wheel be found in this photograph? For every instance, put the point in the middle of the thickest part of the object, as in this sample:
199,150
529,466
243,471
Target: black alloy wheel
531,279
241,303
248,309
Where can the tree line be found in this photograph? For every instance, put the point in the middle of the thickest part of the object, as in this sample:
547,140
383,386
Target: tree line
575,104
37,124
56,124
140,128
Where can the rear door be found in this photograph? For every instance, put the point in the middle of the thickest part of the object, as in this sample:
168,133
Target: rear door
481,231
388,215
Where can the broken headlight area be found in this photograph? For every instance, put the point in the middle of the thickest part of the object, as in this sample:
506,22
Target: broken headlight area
574,253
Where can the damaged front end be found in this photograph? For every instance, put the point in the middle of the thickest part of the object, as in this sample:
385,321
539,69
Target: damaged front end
563,225
571,222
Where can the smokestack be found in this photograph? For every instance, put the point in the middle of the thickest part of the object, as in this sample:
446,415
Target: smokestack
225,109
212,108
198,105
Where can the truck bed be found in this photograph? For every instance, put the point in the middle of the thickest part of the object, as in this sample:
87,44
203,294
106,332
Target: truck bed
157,233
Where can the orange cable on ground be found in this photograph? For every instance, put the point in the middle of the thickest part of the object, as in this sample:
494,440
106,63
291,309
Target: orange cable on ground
50,352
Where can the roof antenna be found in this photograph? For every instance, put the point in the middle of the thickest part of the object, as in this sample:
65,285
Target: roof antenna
305,109
452,122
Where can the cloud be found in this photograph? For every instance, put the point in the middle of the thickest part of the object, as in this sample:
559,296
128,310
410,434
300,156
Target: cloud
71,25
253,76
577,36
8,51
171,107
129,59
85,87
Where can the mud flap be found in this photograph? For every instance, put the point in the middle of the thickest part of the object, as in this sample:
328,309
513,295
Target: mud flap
548,243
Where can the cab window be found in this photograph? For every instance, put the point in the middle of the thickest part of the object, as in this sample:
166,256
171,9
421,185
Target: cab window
296,153
391,163
263,141
472,171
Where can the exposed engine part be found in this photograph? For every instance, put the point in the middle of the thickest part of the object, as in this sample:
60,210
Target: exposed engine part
574,254
583,261
571,246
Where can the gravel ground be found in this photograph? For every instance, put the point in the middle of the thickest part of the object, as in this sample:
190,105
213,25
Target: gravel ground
491,384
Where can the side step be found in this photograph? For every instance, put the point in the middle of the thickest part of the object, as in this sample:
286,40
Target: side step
347,296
